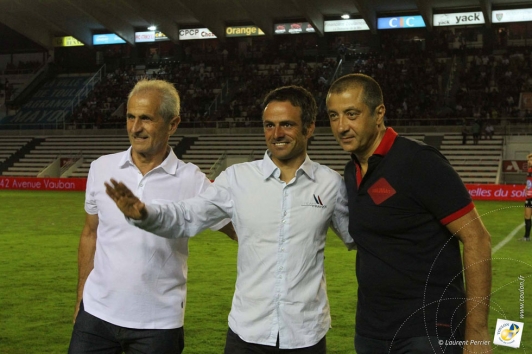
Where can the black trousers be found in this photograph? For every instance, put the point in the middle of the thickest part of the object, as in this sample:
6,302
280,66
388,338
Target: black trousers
92,335
235,345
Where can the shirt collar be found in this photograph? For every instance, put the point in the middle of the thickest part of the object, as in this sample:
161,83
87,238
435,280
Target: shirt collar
169,164
385,145
269,168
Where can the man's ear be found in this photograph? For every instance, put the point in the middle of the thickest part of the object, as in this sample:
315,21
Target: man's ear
379,114
174,122
310,130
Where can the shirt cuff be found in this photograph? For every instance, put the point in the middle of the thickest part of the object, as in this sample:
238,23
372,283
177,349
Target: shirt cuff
457,214
151,218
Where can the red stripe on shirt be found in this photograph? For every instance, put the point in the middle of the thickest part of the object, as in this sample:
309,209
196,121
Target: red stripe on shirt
386,143
358,174
457,214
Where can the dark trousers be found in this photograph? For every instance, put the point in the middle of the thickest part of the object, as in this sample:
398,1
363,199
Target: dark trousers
92,335
235,345
414,345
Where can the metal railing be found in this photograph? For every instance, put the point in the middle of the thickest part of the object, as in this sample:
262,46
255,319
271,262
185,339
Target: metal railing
83,93
218,100
70,160
337,72
217,166
251,155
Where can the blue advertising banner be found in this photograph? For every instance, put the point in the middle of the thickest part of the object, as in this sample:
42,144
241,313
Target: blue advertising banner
108,38
400,22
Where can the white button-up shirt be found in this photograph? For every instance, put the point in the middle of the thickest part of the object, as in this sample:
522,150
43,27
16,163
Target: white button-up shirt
281,228
139,279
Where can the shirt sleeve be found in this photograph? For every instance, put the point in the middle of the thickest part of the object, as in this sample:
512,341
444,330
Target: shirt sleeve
90,194
191,216
340,217
438,186
205,182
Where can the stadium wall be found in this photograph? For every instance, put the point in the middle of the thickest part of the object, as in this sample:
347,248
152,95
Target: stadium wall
499,192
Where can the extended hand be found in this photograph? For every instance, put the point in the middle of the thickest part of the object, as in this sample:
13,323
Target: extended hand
125,200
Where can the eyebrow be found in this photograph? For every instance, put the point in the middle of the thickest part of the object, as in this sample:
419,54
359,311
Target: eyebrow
129,115
281,122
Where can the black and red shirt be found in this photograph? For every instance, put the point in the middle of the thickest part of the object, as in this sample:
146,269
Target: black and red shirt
528,188
409,267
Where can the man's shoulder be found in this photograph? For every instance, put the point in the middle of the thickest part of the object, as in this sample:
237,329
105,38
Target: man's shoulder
188,169
411,143
325,171
241,166
406,146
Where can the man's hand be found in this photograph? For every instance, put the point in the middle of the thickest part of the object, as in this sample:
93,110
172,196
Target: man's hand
229,230
126,201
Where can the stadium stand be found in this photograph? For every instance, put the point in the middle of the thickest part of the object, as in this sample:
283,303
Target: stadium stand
434,80
9,146
68,150
480,163
206,150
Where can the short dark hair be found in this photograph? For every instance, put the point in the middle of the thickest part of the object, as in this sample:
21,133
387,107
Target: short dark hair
371,90
170,104
298,97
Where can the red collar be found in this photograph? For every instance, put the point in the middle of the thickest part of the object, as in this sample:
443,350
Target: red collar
386,143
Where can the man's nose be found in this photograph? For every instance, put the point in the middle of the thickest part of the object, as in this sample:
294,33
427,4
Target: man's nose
342,125
136,125
278,132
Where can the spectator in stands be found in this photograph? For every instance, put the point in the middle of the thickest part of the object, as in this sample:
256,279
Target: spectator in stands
281,207
528,201
132,285
465,133
475,131
489,130
408,210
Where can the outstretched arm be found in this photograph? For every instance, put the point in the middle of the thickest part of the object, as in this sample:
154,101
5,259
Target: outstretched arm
178,219
477,263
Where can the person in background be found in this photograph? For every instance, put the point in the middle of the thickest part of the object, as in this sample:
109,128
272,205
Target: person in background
132,285
475,131
489,130
465,133
409,209
528,196
281,207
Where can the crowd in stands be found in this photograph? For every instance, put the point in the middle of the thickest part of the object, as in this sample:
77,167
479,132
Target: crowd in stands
422,83
490,86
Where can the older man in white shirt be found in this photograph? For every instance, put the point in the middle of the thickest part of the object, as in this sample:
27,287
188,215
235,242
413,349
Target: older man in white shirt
281,208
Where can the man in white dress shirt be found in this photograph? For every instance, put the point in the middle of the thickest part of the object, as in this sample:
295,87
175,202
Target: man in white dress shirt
132,285
281,207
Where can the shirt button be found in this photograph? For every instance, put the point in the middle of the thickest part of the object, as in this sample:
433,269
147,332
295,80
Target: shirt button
141,185
284,221
282,248
280,268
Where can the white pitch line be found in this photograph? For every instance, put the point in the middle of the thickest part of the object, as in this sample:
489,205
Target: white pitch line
507,239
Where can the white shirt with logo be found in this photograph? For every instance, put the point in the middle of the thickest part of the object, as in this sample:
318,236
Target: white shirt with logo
281,228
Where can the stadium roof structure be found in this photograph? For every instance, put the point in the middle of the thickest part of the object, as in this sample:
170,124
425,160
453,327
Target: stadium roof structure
41,20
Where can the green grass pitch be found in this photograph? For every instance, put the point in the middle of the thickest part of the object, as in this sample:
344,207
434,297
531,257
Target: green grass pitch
39,233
